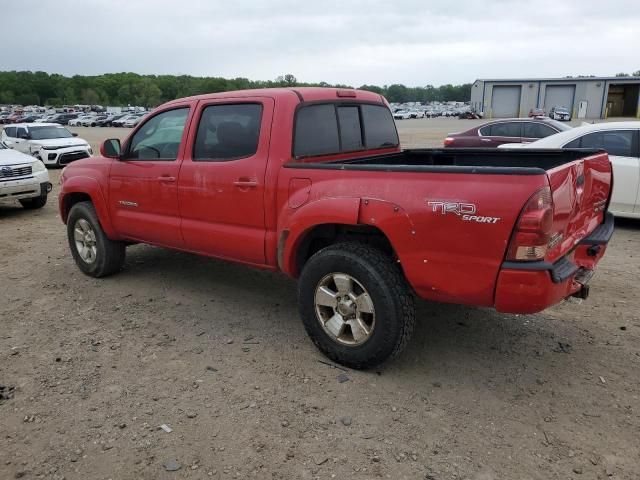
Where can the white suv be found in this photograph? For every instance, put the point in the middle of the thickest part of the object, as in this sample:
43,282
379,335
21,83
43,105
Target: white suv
50,142
23,178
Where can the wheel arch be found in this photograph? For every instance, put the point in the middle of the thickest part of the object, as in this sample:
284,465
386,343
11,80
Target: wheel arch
325,222
81,189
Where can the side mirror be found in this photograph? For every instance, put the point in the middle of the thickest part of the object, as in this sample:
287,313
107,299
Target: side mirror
74,134
110,148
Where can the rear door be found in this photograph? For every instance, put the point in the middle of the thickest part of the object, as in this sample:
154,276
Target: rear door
143,185
222,179
622,147
532,131
19,143
502,132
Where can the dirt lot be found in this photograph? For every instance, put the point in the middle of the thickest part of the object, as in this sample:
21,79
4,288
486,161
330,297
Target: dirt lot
217,352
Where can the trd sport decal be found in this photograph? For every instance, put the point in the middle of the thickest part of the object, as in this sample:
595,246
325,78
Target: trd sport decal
466,211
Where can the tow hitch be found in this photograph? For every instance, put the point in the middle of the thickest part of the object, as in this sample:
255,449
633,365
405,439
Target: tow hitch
582,277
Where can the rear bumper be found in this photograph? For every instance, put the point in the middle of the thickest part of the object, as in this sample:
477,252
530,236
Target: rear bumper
530,287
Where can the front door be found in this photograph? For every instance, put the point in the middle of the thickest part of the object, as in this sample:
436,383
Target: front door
222,179
143,185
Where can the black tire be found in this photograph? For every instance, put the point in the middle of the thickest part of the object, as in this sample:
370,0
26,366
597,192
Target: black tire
110,254
392,300
34,203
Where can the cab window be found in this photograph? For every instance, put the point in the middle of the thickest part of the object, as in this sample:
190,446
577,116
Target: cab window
159,137
228,132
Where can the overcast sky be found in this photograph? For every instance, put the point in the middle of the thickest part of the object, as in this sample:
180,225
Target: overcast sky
353,42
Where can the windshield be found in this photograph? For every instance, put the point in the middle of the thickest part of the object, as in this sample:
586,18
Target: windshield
43,133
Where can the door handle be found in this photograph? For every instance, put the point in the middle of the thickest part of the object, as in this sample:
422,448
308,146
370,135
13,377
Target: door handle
166,178
245,183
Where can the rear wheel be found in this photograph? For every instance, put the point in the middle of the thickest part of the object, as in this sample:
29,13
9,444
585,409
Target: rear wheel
94,253
355,304
34,203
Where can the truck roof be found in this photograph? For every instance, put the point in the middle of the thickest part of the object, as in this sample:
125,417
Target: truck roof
304,94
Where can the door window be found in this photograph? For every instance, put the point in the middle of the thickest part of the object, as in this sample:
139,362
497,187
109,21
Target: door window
506,129
10,132
614,142
159,137
20,131
228,132
537,130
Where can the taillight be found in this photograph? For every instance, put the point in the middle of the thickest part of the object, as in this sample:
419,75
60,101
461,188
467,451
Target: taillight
531,236
448,141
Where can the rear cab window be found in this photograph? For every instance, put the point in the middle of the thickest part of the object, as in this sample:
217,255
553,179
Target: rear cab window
333,128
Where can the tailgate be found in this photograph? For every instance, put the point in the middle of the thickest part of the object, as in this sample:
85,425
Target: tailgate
580,191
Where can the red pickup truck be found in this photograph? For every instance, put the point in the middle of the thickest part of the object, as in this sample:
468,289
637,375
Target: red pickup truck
312,182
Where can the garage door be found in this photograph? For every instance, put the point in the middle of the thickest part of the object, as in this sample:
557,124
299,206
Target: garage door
505,101
559,96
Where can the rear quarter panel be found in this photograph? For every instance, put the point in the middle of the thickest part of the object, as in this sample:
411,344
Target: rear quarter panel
444,257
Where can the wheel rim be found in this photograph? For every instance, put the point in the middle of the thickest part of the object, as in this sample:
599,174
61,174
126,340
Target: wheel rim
85,239
344,309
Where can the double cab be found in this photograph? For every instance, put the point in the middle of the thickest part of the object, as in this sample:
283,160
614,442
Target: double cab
313,182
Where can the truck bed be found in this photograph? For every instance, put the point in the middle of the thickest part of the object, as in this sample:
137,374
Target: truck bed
460,160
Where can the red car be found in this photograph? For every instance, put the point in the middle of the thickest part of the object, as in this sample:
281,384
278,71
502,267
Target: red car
509,130
537,112
312,182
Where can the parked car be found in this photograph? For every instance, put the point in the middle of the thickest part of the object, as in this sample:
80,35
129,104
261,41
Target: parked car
508,130
23,178
132,122
27,118
50,142
560,113
77,122
92,120
63,118
361,223
537,112
106,121
621,140
402,115
120,122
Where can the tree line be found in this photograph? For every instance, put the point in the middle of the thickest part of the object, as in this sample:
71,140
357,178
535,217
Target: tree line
41,88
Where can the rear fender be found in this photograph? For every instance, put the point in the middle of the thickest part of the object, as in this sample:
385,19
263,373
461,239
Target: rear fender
297,222
387,217
91,187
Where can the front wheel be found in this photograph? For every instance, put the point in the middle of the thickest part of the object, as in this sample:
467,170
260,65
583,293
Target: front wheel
356,305
94,253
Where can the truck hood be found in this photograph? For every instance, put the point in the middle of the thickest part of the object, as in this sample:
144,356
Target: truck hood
60,142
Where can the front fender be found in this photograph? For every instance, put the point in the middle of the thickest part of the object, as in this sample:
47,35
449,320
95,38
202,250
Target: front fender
91,187
295,223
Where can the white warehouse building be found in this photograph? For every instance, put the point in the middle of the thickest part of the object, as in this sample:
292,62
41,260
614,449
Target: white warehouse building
585,97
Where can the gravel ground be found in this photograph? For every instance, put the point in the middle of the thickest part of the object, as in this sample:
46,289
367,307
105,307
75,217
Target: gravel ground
216,352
